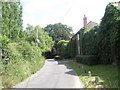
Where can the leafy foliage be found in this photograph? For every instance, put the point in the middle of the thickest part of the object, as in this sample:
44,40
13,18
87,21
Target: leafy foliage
46,42
103,40
21,57
89,41
66,49
87,59
4,41
71,49
58,31
11,20
22,60
109,35
62,48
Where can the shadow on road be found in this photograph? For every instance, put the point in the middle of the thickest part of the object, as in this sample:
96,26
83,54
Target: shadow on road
71,72
51,60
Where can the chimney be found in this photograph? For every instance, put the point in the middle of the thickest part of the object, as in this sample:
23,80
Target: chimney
85,22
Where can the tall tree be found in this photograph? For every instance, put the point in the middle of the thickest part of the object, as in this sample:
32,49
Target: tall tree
45,40
58,31
12,19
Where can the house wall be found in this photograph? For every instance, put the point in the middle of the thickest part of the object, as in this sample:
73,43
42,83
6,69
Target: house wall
77,40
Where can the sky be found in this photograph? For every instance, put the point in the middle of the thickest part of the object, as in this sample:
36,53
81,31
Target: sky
69,12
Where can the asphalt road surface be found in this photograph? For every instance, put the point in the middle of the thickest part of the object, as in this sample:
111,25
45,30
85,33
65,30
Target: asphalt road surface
54,74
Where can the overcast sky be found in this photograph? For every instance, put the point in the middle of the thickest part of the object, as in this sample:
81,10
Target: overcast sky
69,12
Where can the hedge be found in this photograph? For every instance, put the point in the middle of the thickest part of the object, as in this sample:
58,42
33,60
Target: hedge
87,59
62,48
71,49
103,40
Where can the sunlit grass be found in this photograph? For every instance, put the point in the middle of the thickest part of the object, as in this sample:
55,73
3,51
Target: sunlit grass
107,74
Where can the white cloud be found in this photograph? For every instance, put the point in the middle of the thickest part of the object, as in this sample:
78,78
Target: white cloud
70,12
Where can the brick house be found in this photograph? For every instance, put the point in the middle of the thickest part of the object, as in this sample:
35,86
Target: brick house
76,37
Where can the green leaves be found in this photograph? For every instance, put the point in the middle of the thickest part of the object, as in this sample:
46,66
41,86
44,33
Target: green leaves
20,61
11,18
66,49
89,41
20,55
108,32
102,40
58,31
46,42
62,48
4,41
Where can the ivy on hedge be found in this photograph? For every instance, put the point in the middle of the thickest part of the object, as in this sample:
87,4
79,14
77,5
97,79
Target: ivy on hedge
103,40
62,48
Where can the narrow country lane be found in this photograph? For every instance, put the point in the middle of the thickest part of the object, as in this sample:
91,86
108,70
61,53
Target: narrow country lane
54,74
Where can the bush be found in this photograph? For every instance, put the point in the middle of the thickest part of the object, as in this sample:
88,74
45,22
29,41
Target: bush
22,60
70,49
87,59
89,41
4,41
62,48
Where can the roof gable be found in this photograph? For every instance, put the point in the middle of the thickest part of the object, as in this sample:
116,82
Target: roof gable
91,24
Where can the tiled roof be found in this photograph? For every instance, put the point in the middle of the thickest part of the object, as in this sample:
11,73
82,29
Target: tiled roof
89,25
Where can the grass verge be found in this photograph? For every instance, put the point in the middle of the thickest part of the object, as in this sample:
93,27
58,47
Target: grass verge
107,74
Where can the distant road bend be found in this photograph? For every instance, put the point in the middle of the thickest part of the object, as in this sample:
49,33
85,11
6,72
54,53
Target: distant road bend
54,74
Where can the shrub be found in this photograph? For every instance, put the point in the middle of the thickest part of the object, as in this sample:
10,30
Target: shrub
71,49
87,59
89,41
4,41
22,60
62,48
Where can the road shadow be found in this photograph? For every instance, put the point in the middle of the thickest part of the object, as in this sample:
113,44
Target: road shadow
64,63
61,62
71,72
50,60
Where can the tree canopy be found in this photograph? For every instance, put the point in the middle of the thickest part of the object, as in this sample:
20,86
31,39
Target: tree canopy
45,40
12,20
58,31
